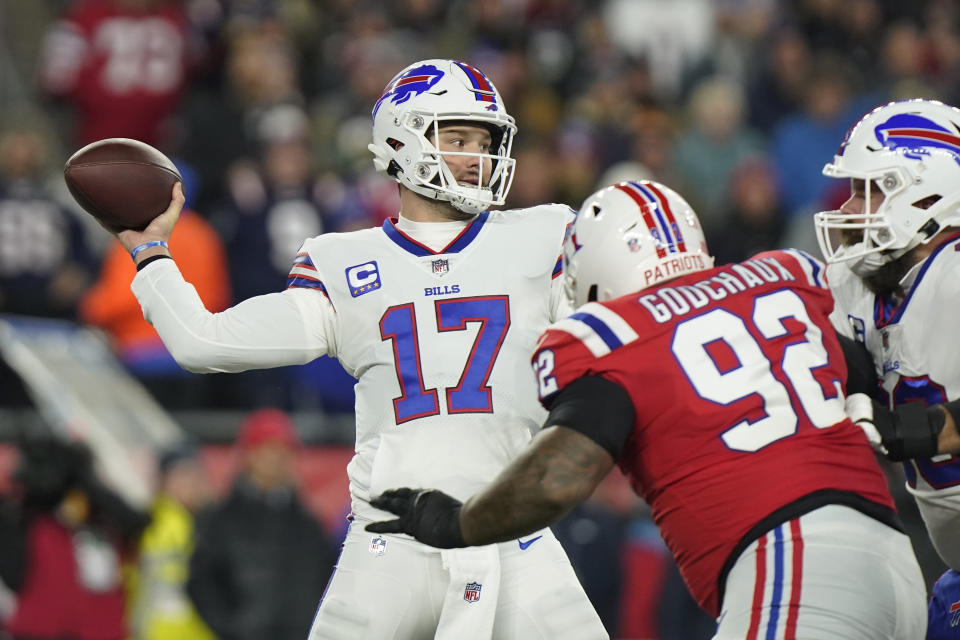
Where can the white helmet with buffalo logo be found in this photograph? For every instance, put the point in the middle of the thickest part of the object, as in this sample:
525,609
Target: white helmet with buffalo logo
406,122
910,151
630,236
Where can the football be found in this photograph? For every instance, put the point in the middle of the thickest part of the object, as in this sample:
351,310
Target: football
121,182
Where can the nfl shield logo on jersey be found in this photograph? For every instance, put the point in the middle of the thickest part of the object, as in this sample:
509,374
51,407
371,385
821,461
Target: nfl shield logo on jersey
441,266
378,546
472,592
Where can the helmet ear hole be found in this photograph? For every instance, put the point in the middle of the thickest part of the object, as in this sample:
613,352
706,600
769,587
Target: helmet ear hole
926,203
592,295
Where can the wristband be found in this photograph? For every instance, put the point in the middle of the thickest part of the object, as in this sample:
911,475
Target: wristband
147,261
147,245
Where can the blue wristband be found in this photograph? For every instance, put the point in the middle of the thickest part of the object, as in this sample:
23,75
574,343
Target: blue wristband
147,245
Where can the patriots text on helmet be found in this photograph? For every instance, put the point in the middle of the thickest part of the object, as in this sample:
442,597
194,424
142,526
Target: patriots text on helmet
673,267
668,301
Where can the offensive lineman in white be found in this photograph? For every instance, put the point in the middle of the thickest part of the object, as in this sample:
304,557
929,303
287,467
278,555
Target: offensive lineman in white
436,315
894,254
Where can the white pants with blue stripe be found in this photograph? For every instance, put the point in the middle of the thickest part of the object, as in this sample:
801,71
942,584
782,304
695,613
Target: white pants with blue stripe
832,574
394,588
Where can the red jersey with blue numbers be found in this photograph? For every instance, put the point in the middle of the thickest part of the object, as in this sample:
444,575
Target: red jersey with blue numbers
736,377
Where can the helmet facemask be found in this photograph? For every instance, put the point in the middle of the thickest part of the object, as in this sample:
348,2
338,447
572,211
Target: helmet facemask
867,239
433,173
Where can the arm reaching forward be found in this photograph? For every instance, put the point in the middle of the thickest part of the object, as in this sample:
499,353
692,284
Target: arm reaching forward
558,471
590,421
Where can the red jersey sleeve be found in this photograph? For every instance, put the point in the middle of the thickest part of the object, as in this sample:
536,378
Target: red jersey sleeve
575,347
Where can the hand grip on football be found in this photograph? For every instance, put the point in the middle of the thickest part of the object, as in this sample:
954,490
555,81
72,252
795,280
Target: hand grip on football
123,183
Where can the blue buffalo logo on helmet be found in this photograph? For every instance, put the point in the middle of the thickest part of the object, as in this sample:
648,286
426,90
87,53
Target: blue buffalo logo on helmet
411,83
917,136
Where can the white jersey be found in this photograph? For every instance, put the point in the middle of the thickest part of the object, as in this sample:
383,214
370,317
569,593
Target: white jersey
439,342
917,356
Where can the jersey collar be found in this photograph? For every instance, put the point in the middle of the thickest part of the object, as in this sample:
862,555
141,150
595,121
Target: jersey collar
885,310
456,245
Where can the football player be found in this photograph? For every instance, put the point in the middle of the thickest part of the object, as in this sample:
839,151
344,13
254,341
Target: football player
893,250
944,609
718,391
435,313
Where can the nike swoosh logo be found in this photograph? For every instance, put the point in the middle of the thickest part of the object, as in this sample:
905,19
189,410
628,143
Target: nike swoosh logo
524,544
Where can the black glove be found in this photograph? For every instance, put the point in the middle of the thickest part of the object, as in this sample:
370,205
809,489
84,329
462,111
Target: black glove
430,516
909,431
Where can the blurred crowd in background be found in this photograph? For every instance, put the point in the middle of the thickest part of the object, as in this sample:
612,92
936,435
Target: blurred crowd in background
264,105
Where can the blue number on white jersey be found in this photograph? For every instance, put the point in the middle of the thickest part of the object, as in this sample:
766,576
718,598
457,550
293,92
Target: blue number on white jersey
472,393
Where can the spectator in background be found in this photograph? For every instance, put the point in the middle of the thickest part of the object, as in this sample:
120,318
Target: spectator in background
221,122
654,132
717,140
904,55
800,142
121,67
752,220
110,305
638,27
70,534
780,82
45,263
160,607
275,202
262,560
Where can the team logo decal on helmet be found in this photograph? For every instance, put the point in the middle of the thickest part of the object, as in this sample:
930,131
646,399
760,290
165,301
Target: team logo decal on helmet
657,215
482,88
916,135
408,83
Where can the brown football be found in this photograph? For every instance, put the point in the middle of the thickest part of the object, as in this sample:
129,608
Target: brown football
122,182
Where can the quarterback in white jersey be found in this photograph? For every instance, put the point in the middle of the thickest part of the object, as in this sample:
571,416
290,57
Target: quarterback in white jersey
436,314
894,254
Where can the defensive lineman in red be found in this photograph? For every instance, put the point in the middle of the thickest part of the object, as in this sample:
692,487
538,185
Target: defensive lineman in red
720,393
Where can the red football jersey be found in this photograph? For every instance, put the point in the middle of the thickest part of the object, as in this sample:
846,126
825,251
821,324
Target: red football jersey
736,377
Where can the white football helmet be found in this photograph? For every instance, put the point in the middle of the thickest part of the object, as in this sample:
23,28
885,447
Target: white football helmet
910,150
414,105
630,236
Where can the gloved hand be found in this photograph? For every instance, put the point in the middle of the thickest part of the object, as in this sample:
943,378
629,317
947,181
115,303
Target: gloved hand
909,431
859,408
430,516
